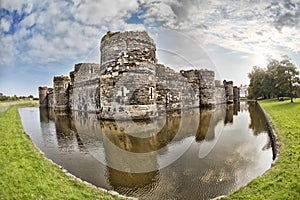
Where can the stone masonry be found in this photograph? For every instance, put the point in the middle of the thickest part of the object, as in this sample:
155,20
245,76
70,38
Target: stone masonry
127,75
129,83
84,86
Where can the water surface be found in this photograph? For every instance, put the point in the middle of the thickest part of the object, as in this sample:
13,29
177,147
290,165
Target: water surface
193,154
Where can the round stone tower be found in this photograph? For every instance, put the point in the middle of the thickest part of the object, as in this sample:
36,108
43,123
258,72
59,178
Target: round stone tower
113,44
43,96
61,92
228,85
128,76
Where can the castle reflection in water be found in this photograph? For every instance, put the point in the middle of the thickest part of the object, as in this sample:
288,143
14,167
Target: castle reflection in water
134,153
71,126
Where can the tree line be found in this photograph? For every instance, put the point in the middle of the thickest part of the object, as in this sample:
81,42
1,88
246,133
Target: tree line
15,97
279,79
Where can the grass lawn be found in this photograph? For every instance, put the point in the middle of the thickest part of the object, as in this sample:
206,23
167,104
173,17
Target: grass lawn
282,181
26,174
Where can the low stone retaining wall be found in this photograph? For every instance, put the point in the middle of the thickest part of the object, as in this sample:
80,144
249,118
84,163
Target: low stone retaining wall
273,136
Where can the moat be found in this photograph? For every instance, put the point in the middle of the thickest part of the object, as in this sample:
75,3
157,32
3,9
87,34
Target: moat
191,154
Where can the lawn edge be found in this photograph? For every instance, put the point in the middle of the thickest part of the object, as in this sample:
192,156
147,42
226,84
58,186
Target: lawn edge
272,134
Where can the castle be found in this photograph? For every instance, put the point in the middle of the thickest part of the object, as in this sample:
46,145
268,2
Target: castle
129,83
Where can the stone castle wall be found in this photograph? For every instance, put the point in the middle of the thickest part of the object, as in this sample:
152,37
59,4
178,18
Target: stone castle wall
173,90
129,83
84,85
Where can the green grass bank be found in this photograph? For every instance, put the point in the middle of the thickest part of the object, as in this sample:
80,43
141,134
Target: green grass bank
282,181
4,105
26,174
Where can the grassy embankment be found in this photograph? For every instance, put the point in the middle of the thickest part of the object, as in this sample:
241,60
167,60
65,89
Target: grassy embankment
282,181
26,174
5,104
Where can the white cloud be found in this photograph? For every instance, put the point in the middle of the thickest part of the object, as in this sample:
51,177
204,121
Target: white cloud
19,6
5,24
28,7
254,26
7,50
12,5
29,20
59,31
105,11
159,12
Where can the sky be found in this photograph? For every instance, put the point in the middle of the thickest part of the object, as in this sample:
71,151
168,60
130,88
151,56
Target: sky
41,39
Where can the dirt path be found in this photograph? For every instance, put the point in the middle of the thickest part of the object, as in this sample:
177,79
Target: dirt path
4,108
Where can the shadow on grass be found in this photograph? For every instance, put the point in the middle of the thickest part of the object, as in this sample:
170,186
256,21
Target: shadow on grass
286,103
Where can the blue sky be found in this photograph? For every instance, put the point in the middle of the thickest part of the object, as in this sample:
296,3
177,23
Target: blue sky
41,39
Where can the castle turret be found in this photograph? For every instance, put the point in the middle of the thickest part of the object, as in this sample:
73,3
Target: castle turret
43,96
228,90
50,98
114,44
236,93
61,93
203,83
127,76
207,88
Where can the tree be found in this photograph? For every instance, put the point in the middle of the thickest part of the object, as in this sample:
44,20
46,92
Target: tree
280,78
255,85
261,83
14,98
272,65
287,78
